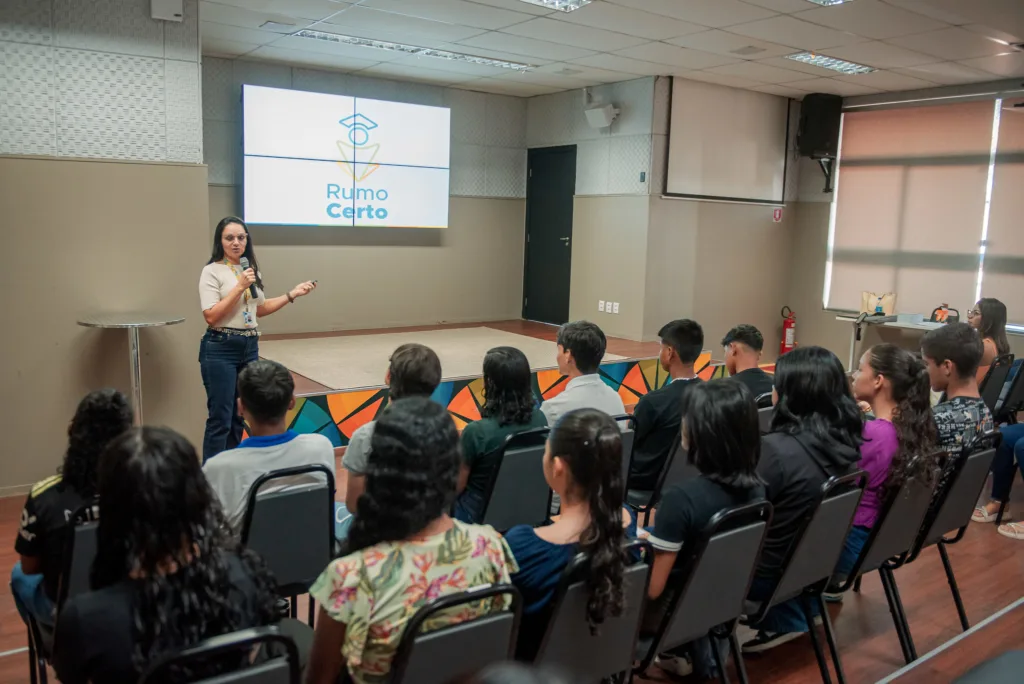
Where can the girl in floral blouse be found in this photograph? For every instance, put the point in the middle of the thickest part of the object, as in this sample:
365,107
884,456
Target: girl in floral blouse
403,549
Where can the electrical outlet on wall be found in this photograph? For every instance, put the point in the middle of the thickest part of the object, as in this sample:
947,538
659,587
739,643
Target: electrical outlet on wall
615,307
600,305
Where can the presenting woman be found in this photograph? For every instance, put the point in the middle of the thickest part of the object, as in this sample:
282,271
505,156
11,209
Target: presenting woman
231,294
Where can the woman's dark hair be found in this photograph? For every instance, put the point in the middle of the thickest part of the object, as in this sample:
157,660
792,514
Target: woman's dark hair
590,443
912,418
414,469
162,529
993,323
249,253
508,392
101,416
815,397
722,432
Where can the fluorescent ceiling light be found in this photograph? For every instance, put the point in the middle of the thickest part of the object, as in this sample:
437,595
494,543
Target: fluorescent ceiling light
411,49
828,3
560,5
840,65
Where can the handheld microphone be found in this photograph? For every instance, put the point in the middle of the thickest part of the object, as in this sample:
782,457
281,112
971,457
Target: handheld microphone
244,263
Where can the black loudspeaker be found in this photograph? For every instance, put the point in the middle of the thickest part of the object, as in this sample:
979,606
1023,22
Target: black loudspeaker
818,135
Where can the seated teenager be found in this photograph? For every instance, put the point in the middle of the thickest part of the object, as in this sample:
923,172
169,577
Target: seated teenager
816,433
167,573
403,549
658,413
721,435
583,464
988,317
101,416
899,444
581,346
508,409
266,392
413,371
743,345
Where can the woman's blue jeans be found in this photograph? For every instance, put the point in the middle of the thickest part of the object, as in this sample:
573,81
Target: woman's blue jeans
1011,447
221,358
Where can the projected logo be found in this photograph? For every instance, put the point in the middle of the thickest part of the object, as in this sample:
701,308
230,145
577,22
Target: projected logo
358,147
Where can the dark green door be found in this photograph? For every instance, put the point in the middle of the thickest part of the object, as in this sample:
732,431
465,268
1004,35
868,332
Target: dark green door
550,186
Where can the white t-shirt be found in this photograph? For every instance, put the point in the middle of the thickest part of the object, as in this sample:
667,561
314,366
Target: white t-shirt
231,473
216,282
584,391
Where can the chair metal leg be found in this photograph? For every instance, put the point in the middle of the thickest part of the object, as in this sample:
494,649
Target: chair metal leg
737,657
830,637
42,672
999,515
899,617
311,613
805,603
856,584
953,587
33,662
716,645
293,607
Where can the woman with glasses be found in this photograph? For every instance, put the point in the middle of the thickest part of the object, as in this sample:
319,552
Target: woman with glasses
231,294
988,317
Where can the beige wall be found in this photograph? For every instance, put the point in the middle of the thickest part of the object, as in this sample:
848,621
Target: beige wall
85,236
671,263
470,271
609,255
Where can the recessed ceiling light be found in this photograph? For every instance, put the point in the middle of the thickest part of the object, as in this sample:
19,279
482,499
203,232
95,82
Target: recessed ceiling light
829,3
560,5
840,65
410,49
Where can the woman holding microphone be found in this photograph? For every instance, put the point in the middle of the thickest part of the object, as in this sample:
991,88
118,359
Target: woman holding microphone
231,294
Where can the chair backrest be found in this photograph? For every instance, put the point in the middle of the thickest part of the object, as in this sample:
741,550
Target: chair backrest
714,575
1013,402
517,493
992,384
764,419
815,551
281,669
79,553
293,528
568,645
956,504
763,400
627,454
452,652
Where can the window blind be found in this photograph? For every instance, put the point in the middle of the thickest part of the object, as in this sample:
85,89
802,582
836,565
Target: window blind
1003,263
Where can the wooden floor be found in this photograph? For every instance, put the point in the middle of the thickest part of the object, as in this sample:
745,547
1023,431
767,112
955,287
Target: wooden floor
989,569
540,331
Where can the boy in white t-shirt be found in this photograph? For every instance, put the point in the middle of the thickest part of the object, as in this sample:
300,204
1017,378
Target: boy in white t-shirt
266,392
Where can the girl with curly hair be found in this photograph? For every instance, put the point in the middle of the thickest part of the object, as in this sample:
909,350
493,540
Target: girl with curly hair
509,407
167,573
403,549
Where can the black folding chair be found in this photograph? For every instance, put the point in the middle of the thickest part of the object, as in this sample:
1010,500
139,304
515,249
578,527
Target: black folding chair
453,652
517,493
568,644
991,385
811,561
764,419
292,528
1013,403
271,669
763,401
676,470
888,546
714,575
627,425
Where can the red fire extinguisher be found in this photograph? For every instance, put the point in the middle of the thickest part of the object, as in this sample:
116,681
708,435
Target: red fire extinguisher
788,343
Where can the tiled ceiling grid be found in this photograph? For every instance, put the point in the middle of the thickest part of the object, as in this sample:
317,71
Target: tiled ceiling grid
741,43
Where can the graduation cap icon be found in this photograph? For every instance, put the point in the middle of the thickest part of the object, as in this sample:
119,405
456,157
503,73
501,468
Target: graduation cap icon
358,126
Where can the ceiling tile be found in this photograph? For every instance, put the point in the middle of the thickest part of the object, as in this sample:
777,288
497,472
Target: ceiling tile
713,13
581,71
236,33
1006,15
780,5
518,6
226,48
337,49
663,53
518,45
368,23
831,85
407,72
786,30
887,80
759,73
635,22
803,68
504,87
929,9
271,53
720,79
313,10
623,64
236,16
496,54
946,73
1009,65
953,44
871,18
549,80
543,28
784,90
723,43
879,55
997,34
452,12
451,65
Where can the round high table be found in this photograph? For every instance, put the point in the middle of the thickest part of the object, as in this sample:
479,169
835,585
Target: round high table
132,322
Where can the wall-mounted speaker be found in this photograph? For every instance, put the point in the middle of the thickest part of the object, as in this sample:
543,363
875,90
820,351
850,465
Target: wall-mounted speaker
601,116
167,10
818,134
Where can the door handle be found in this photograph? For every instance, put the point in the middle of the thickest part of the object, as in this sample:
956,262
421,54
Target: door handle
565,240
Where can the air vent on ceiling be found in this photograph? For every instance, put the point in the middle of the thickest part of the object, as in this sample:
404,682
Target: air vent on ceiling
278,27
747,50
566,71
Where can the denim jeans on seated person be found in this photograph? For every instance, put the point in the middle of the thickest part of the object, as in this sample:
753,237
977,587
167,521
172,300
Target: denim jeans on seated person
787,616
30,597
855,541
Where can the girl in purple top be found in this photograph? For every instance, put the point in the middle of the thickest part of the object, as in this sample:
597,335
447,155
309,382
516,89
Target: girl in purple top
895,383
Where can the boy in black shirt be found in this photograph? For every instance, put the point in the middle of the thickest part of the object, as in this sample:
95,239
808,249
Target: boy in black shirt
743,345
658,412
101,416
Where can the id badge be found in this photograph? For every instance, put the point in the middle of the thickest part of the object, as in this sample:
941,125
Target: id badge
247,318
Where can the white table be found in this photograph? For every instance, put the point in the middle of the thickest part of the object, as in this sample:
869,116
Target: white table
885,322
132,322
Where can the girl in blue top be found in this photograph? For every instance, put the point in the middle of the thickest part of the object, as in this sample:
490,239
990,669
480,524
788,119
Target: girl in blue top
583,465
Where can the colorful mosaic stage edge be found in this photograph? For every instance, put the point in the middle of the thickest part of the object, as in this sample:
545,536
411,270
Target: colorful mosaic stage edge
338,414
